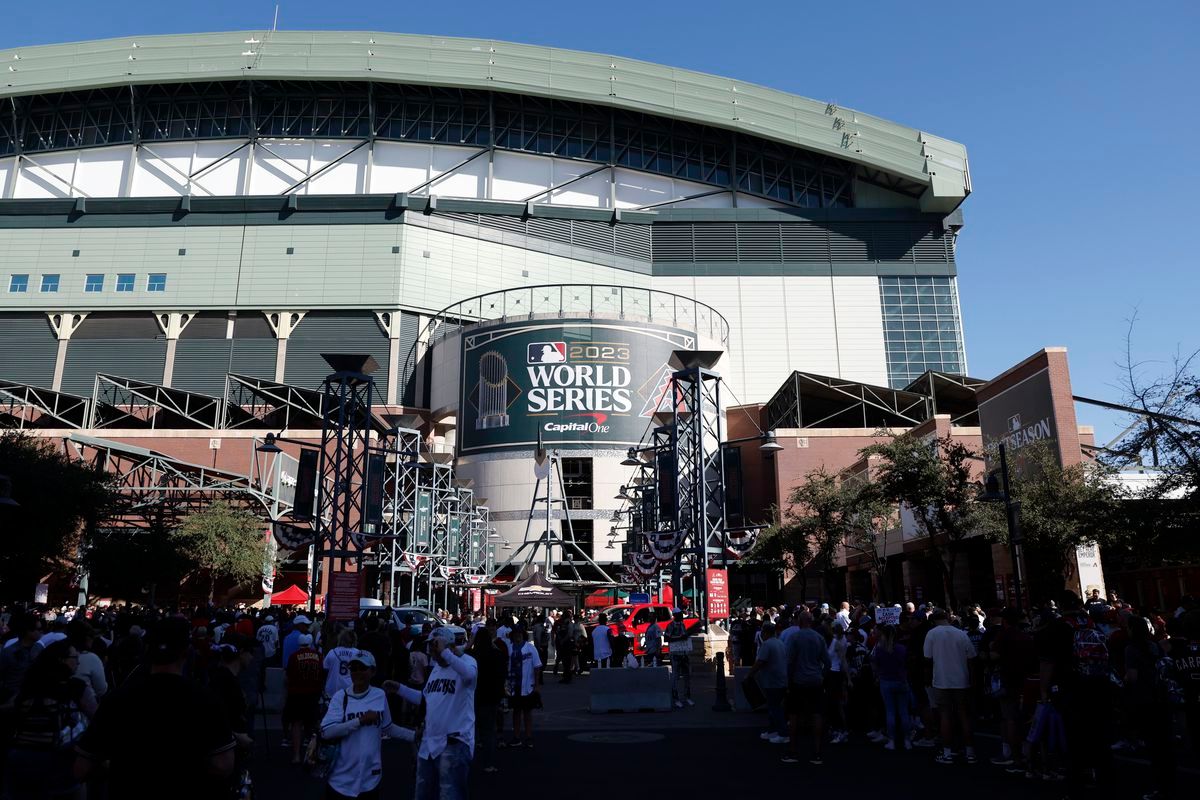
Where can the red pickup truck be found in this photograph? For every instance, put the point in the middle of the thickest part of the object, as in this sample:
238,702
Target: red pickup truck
637,619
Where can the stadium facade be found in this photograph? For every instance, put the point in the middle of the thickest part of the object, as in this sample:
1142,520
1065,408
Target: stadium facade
185,217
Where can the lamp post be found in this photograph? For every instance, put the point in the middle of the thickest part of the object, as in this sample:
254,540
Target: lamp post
998,489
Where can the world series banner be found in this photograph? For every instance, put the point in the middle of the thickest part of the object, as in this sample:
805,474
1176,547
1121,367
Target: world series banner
573,382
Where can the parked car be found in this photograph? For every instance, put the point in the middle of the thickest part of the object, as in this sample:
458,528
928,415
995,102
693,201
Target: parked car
637,618
401,617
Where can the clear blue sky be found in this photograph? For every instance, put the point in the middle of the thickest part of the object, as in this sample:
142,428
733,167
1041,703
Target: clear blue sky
1080,118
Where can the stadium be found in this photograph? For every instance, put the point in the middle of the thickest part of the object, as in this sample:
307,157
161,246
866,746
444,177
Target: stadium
188,223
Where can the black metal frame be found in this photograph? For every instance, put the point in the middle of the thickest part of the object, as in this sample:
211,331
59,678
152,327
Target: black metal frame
17,399
370,111
873,406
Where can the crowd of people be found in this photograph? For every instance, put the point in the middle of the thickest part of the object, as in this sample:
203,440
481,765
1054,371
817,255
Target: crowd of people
1069,684
134,703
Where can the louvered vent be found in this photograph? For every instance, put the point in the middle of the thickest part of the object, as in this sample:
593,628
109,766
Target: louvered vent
503,223
593,235
556,230
758,241
804,242
716,241
633,241
673,243
933,248
848,241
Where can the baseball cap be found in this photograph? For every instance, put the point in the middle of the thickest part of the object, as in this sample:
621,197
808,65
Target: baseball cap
270,618
300,619
304,640
365,658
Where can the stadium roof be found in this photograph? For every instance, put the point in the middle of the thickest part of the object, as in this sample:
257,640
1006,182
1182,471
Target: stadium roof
484,64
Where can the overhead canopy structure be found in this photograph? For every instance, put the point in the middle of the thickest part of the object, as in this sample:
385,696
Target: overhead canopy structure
291,596
818,401
535,592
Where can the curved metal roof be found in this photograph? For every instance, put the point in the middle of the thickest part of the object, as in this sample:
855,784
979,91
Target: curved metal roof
486,64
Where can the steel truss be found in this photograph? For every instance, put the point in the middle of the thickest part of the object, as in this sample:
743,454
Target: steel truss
260,403
23,406
807,400
129,403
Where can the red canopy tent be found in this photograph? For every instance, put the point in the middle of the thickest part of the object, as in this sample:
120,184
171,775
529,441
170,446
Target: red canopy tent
291,596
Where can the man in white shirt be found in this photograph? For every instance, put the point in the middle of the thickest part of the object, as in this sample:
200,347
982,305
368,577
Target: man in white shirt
268,637
337,663
448,744
951,651
842,620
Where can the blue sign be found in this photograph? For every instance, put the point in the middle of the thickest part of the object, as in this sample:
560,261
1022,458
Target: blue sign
638,597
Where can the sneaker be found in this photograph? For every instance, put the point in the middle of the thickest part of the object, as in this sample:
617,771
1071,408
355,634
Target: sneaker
690,702
1016,769
528,745
767,736
490,769
678,704
501,745
923,742
781,740
1052,775
840,737
890,745
942,758
790,759
816,760
877,737
1002,761
970,758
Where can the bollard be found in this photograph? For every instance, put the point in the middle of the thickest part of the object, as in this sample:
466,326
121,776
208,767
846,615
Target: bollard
722,703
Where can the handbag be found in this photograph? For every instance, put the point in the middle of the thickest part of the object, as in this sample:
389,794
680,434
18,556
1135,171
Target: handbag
323,753
753,693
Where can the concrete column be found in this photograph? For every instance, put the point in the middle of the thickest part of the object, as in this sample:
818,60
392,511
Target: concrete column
282,323
64,323
172,324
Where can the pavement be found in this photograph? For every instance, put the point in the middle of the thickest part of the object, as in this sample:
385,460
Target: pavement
695,751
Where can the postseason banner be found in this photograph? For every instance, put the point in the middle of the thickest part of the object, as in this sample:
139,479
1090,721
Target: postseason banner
573,382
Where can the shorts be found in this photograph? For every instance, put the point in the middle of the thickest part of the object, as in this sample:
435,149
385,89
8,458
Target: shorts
805,700
301,708
1010,705
525,702
950,699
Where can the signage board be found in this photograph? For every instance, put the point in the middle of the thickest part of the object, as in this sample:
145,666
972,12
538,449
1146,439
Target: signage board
717,581
1018,416
887,615
567,381
636,598
345,589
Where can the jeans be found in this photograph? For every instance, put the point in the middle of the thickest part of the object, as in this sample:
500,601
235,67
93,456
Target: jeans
681,666
895,704
444,777
778,721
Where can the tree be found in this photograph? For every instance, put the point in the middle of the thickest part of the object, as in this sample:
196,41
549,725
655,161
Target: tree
1061,508
869,519
933,479
809,530
57,499
222,541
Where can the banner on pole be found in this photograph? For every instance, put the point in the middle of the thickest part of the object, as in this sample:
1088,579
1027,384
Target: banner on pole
718,593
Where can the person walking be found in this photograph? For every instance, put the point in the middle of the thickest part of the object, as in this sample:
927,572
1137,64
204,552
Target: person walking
489,691
523,665
950,651
1148,696
770,672
602,643
679,644
303,676
357,718
652,643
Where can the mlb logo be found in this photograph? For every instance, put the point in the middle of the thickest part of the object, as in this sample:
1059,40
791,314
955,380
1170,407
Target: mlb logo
546,352
1014,423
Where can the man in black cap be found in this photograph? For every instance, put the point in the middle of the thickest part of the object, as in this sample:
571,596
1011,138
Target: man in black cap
161,735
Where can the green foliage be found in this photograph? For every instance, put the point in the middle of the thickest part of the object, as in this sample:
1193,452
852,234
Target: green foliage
57,498
224,542
932,478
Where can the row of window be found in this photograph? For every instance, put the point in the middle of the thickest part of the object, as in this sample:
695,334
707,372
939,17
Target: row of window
94,282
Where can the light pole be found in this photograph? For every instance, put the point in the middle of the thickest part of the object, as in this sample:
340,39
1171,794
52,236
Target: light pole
998,489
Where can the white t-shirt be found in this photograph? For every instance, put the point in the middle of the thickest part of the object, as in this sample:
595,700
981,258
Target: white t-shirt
950,650
600,648
358,767
842,620
837,654
530,662
449,704
337,667
268,636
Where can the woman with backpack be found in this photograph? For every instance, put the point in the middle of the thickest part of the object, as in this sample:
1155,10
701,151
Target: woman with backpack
1149,698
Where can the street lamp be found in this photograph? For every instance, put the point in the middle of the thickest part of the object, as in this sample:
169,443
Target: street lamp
997,489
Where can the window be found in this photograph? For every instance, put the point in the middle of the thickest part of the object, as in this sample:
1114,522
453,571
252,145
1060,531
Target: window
94,283
157,282
921,328
577,479
49,283
18,283
125,282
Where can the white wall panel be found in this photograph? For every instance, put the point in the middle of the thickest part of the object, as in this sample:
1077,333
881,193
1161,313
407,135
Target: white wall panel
860,329
348,176
278,165
812,337
467,181
226,178
101,172
516,176
637,189
161,169
398,167
591,192
37,181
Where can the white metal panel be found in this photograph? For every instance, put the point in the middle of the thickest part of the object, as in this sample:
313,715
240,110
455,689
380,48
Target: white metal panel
636,189
591,192
765,354
466,181
7,168
49,177
398,167
719,200
347,176
279,164
516,176
161,169
860,329
101,172
227,177
812,336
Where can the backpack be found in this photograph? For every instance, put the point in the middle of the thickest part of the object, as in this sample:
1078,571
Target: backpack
1090,653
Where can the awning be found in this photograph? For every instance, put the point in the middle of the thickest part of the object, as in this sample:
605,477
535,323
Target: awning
291,596
535,592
